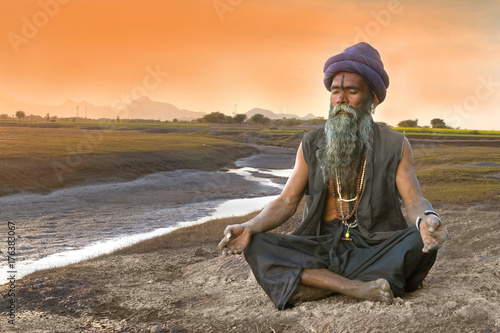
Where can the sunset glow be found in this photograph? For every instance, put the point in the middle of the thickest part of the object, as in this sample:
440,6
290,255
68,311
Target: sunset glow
222,55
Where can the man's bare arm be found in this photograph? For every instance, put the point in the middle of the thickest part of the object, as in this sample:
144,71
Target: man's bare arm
432,230
284,206
274,214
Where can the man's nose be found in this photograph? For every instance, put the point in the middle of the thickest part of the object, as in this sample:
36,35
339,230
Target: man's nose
342,98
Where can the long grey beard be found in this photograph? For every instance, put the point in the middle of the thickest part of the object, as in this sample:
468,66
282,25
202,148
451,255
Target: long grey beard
348,137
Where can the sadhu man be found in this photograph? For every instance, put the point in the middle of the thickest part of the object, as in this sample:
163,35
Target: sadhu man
354,239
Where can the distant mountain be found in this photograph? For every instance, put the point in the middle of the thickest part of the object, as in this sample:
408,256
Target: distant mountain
82,109
309,116
271,115
145,108
141,108
9,106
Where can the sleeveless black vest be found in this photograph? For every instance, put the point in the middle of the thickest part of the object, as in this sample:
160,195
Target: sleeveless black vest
379,212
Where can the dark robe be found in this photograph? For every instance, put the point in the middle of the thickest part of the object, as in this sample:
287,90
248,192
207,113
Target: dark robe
383,245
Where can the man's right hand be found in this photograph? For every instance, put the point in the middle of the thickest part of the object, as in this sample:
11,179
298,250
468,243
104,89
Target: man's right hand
236,239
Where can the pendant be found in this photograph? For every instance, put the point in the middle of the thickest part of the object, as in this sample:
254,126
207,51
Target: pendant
347,236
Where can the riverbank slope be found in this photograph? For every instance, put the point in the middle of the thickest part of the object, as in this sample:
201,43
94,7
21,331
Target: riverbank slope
39,158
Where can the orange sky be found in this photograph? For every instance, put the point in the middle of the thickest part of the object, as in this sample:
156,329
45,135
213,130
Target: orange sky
440,55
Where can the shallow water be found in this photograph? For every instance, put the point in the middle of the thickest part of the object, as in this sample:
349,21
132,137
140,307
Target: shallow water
77,223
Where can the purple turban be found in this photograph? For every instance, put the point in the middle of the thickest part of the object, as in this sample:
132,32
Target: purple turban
361,59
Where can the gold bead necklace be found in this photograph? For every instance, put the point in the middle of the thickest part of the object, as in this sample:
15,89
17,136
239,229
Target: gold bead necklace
359,189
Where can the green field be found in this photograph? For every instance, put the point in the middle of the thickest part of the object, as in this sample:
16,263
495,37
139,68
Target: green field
448,132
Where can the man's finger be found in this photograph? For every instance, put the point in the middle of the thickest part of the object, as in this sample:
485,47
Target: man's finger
227,231
221,244
235,251
431,247
434,225
225,240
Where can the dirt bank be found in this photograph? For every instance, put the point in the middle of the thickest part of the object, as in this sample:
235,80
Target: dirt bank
43,176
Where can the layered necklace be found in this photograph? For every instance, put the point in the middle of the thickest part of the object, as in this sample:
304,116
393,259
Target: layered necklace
359,188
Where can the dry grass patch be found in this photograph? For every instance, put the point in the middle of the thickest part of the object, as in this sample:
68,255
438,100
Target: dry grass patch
54,143
453,174
448,155
462,192
449,174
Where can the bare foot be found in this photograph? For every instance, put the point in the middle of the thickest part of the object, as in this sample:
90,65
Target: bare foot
306,294
378,291
322,278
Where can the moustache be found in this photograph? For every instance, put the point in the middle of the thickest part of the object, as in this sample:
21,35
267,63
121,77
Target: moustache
343,109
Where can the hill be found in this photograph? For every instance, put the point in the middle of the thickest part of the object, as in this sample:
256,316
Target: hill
142,108
146,108
271,115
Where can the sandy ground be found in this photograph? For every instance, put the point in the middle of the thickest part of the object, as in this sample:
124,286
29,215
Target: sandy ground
193,289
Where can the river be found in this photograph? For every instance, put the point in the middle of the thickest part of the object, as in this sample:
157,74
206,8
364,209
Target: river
77,223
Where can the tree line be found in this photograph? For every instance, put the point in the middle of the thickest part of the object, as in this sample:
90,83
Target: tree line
219,117
258,118
435,123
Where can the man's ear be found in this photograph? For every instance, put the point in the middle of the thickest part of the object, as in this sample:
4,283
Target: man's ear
376,102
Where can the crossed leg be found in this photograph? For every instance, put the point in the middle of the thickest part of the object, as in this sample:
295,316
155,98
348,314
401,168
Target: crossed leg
319,283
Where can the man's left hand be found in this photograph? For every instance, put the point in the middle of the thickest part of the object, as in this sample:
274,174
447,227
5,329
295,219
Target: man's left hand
433,233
